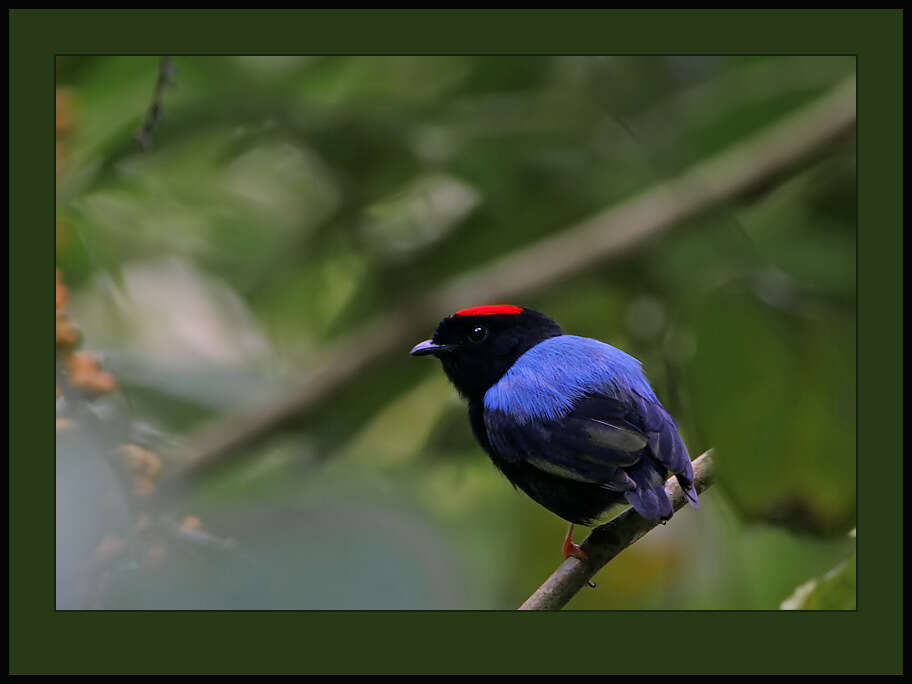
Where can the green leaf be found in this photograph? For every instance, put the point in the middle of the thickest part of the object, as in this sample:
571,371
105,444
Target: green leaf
834,591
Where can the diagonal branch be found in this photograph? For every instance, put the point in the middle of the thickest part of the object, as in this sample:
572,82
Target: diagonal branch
607,541
760,162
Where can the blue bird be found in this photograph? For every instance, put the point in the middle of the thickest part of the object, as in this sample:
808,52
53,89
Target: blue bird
569,420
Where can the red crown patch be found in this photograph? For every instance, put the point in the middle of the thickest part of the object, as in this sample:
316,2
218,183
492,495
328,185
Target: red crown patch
490,310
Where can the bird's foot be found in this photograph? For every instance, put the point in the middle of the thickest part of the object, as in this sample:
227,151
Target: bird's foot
571,550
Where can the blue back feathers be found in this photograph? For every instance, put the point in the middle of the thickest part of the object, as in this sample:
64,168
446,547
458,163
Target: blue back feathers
546,381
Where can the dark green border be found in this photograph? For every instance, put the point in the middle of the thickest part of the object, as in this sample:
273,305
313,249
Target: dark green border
865,641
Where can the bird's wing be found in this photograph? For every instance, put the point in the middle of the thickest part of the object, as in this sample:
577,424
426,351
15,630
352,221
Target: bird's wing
623,446
593,443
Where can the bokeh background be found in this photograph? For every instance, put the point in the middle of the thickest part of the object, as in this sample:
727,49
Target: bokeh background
223,223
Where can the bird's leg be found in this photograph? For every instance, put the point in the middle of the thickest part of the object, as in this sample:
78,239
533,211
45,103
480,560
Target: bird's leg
569,549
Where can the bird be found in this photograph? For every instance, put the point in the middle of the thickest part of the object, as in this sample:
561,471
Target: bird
571,421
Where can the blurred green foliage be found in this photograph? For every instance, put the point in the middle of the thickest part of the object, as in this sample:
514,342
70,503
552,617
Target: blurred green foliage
834,591
283,201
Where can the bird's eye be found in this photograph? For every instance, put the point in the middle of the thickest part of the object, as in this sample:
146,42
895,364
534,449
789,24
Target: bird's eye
478,334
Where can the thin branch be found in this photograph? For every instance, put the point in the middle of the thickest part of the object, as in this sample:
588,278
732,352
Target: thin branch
154,113
767,158
607,541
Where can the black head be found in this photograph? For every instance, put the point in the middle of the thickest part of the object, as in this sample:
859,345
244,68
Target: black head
478,345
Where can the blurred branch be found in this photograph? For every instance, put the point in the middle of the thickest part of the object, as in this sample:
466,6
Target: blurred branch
154,113
607,541
758,163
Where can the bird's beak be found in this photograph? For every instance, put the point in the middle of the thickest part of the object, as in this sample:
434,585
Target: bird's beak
429,348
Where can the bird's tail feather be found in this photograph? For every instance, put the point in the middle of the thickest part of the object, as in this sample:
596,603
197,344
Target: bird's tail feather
649,498
689,492
667,447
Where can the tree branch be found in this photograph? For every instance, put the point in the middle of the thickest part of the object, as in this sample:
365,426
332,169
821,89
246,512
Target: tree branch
156,109
607,541
768,157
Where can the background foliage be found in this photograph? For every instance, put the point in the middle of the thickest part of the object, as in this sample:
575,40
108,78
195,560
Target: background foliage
282,201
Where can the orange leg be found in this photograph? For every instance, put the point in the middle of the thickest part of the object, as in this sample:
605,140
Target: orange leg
569,549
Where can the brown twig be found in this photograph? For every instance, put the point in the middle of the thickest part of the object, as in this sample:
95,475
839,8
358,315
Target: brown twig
767,158
607,541
154,113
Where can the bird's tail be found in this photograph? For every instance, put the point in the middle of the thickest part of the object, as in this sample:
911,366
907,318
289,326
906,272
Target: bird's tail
649,498
689,491
684,474
667,447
